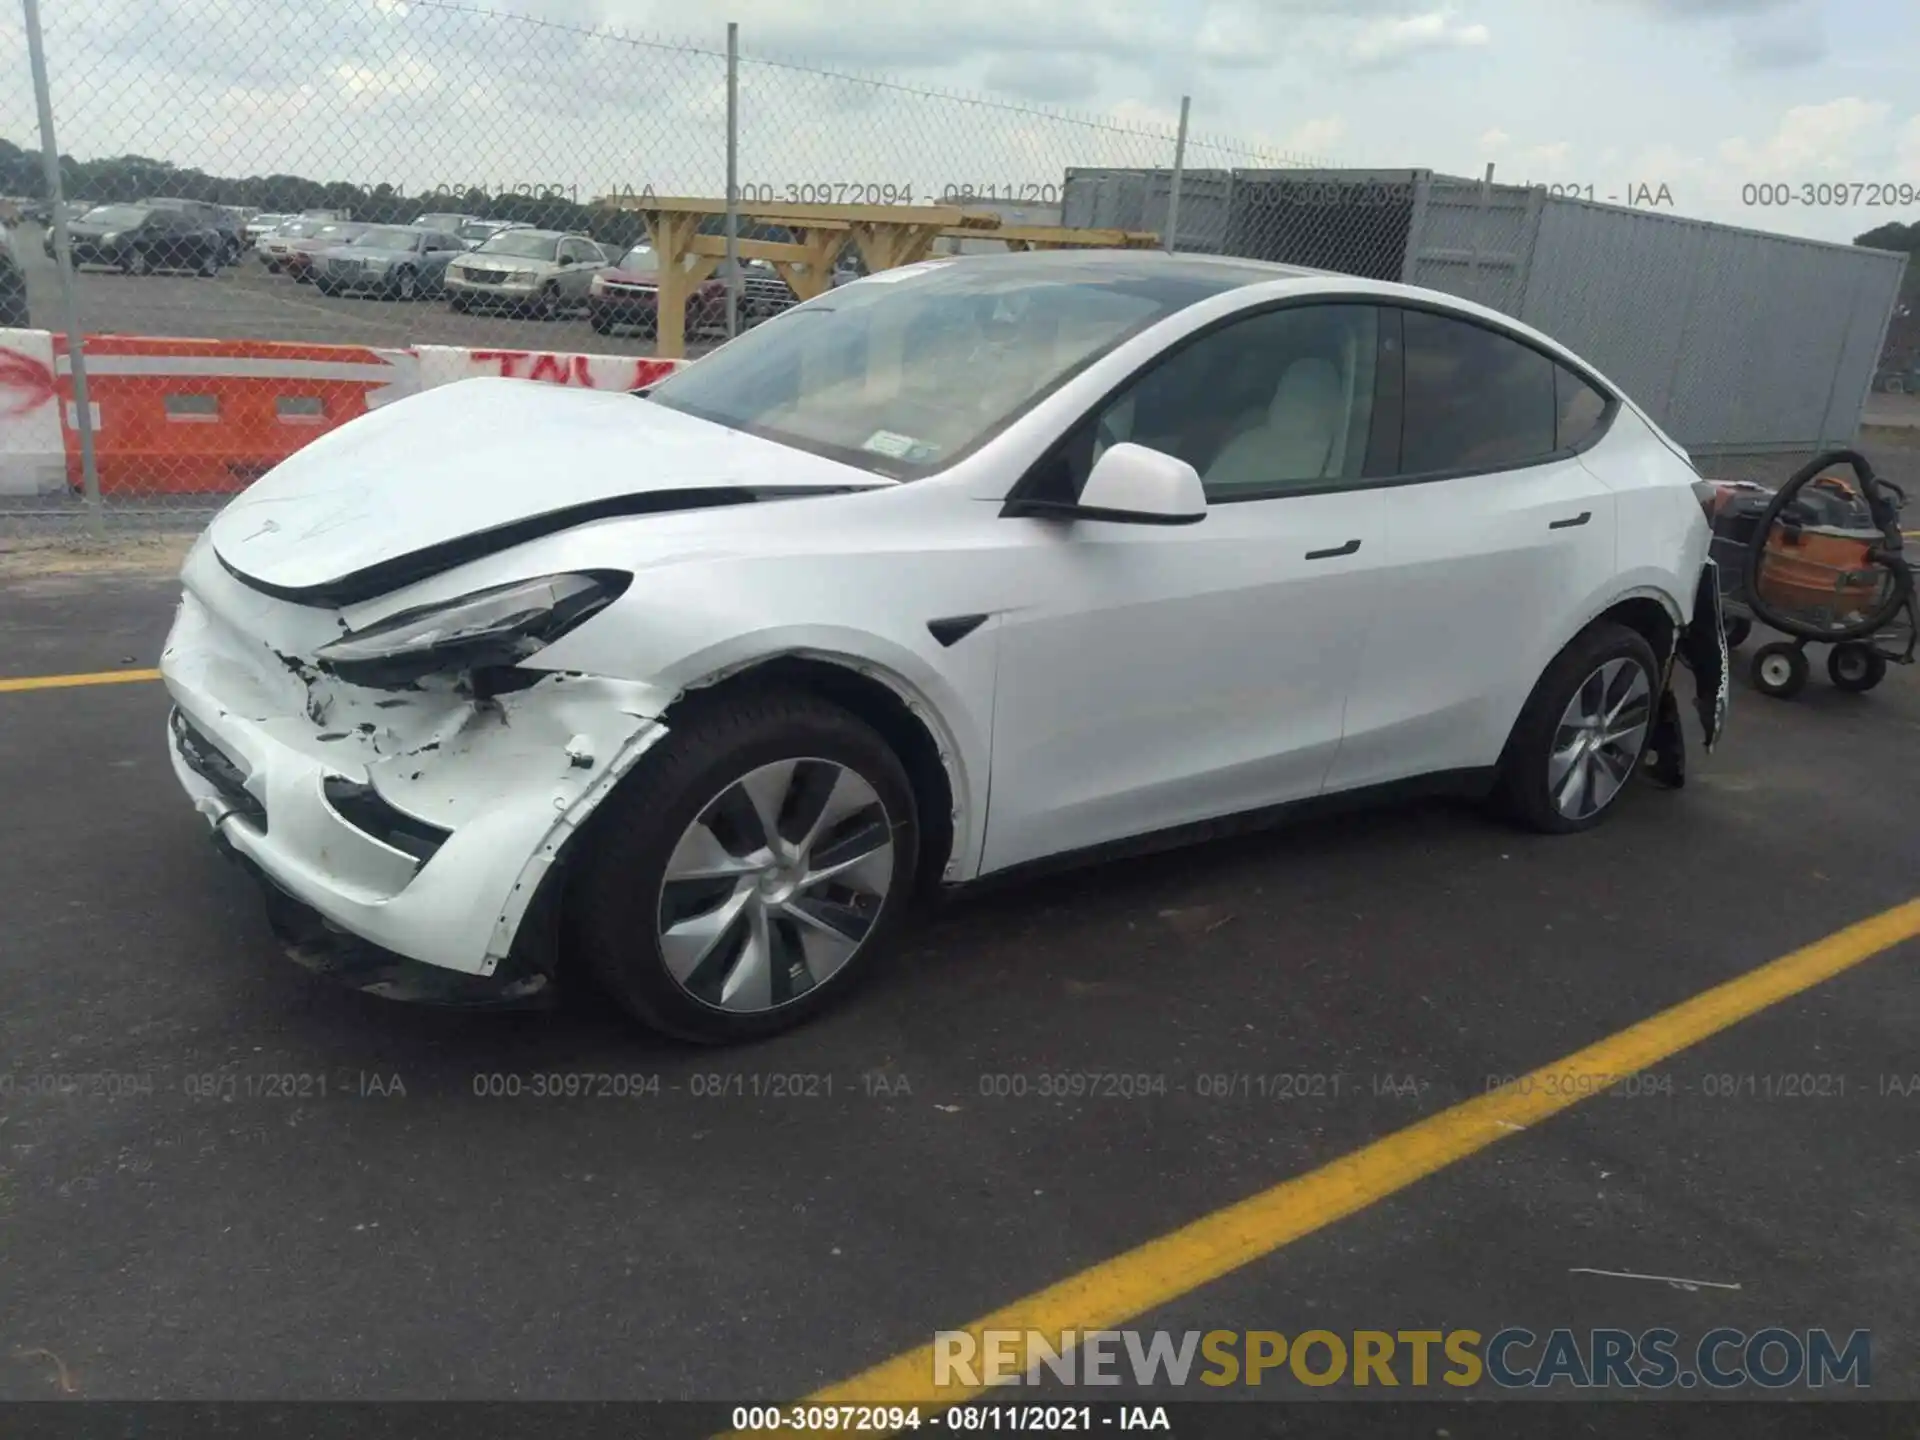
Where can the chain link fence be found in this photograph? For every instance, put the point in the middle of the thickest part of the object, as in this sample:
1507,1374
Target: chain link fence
284,216
281,216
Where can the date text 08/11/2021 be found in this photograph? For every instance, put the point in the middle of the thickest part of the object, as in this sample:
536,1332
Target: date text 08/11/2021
897,1419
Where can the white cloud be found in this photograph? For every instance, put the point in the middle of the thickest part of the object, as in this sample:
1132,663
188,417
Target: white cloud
1495,140
1387,42
1810,140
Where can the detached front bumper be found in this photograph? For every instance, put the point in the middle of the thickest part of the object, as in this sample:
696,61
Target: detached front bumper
423,823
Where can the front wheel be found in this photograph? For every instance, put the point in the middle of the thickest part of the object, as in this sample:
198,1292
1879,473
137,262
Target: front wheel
406,286
457,304
136,262
1779,670
210,265
1582,732
750,869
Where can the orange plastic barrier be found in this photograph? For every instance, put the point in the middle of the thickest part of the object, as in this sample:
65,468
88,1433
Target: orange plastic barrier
175,417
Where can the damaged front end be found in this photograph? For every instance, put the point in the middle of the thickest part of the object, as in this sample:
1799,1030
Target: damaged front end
406,790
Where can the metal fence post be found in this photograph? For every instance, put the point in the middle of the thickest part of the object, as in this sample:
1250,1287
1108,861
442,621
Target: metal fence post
1480,225
733,179
1179,165
69,301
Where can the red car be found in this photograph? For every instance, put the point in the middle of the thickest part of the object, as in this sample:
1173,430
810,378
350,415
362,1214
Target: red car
629,294
297,260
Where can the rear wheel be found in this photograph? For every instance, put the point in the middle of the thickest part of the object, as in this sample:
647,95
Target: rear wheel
1779,670
1857,668
750,870
136,262
1582,732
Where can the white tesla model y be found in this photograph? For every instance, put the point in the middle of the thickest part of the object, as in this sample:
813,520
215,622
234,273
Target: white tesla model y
960,568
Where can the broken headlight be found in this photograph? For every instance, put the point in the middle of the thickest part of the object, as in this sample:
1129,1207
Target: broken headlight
500,626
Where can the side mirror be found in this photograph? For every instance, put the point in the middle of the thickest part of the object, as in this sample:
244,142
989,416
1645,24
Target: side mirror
1131,485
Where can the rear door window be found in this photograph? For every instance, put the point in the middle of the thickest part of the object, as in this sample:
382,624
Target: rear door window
1474,399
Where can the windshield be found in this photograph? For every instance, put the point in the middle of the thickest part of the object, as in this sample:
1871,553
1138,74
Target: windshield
905,373
338,232
478,230
641,260
389,237
527,244
297,229
123,217
440,222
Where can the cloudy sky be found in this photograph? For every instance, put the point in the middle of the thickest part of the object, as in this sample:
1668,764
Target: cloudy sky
1702,97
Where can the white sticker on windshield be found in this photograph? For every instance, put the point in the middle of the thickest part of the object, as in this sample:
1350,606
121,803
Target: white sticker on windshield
886,442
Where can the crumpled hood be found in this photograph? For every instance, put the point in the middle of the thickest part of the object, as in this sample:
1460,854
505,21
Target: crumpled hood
490,462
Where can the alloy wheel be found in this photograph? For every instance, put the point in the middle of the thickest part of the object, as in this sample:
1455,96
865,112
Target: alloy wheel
775,885
1599,738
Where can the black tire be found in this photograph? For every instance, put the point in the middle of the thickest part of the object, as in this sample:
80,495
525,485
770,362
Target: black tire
210,265
546,305
613,903
325,287
1738,628
136,262
406,286
1855,668
1521,790
273,266
602,324
1779,670
457,304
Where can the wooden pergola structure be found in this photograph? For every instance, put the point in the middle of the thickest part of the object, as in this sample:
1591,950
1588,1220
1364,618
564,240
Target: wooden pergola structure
888,236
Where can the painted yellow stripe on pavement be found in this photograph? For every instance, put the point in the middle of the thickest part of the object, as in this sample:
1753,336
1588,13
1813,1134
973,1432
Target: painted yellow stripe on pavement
1161,1271
65,682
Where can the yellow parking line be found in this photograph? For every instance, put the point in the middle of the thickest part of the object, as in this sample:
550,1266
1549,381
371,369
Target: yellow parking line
1163,1270
63,682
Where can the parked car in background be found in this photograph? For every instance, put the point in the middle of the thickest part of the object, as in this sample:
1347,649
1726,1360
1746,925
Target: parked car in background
1898,377
532,272
298,260
477,232
140,238
277,243
210,217
448,222
260,226
13,284
627,295
401,262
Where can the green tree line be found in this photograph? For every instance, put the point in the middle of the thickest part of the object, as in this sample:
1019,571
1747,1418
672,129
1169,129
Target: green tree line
135,177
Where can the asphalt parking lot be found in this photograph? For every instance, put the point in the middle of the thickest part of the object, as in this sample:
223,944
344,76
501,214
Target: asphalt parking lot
222,1178
245,302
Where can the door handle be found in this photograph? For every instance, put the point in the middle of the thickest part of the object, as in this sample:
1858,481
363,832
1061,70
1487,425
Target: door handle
1346,549
1580,519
